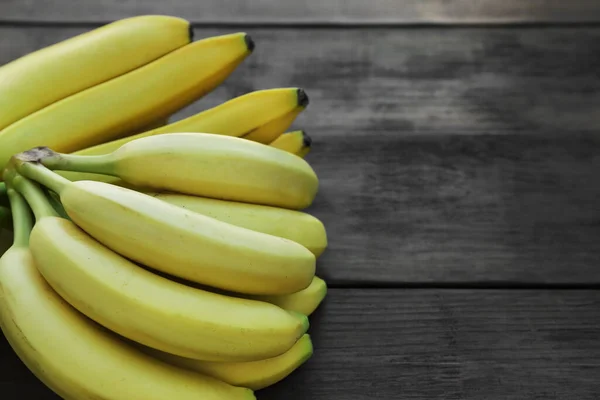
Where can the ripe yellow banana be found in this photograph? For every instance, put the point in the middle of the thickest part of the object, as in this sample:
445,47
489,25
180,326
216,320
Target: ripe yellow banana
269,132
255,375
43,77
305,301
294,225
296,142
74,356
108,110
131,301
201,164
179,242
235,117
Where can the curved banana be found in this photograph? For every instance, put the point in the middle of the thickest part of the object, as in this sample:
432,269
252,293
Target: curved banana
202,164
267,133
235,117
305,301
110,109
296,142
131,301
294,225
255,375
43,77
180,242
74,356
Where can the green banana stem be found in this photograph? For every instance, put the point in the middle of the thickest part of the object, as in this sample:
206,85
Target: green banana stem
35,196
39,173
101,164
2,189
22,219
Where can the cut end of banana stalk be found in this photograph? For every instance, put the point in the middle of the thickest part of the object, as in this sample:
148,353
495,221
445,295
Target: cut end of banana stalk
302,98
35,155
249,43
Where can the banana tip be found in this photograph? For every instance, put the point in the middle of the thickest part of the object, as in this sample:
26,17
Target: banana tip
249,43
191,32
302,98
306,140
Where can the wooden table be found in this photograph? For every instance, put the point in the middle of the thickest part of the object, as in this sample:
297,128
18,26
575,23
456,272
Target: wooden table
458,146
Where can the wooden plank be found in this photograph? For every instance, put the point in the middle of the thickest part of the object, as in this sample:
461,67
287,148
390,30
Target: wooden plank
310,11
416,81
462,156
430,344
457,209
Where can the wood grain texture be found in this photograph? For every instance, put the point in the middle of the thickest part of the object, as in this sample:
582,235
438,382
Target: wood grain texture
462,156
309,11
415,81
459,209
430,344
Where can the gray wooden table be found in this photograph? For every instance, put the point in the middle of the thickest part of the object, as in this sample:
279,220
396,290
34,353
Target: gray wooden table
458,147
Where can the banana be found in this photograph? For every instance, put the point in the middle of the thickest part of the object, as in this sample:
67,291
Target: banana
202,164
296,142
235,117
43,77
139,97
294,225
254,375
72,355
305,301
132,301
179,242
269,132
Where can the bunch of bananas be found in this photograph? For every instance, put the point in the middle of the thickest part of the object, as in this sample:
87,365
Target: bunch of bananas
149,259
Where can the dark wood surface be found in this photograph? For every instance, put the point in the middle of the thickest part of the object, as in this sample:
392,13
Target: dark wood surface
458,185
430,344
309,11
461,156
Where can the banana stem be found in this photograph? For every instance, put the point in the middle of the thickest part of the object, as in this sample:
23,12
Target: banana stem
2,189
100,164
42,175
35,196
22,221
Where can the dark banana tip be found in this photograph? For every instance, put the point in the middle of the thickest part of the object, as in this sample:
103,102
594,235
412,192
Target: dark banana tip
302,98
191,32
306,140
249,43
